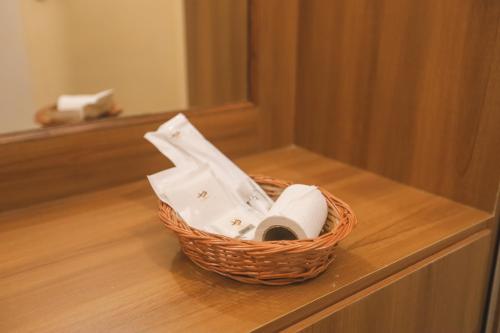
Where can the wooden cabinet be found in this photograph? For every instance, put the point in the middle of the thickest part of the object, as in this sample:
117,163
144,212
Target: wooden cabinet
442,293
102,261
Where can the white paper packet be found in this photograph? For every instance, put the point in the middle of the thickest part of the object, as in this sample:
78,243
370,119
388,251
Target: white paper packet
178,157
194,149
203,203
240,222
194,193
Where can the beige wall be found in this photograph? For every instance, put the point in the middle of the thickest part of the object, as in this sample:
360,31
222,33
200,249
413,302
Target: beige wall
45,37
16,102
83,46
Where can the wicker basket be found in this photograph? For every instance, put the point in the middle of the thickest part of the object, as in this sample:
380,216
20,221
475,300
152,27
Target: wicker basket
271,262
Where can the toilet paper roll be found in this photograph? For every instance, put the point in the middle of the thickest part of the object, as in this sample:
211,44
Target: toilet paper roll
299,213
182,143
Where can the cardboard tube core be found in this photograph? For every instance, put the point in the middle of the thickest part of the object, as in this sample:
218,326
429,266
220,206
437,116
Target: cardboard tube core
279,233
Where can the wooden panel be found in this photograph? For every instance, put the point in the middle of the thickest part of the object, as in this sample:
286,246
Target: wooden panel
408,89
217,39
44,168
102,261
273,68
443,293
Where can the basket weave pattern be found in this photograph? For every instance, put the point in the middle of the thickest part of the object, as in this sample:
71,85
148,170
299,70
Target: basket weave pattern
271,262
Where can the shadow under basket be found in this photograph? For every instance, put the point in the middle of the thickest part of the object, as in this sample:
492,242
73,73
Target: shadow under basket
271,262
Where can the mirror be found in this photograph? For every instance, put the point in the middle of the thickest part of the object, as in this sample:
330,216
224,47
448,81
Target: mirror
154,55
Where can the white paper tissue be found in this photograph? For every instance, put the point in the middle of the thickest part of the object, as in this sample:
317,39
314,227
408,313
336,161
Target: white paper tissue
298,213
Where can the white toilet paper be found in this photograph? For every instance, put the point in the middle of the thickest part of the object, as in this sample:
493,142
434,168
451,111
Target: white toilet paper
299,213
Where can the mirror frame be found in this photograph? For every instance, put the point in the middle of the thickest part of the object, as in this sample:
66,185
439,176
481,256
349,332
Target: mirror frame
57,162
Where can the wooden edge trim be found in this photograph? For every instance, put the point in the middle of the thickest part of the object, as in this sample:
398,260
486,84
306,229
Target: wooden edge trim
103,124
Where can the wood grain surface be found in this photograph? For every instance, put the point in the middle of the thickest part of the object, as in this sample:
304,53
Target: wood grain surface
438,294
44,168
273,64
217,40
102,261
408,89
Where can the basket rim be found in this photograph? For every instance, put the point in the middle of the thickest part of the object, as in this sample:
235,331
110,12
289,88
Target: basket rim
346,222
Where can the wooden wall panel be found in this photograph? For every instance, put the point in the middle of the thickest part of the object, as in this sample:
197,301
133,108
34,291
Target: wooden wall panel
408,89
273,64
217,39
443,293
36,168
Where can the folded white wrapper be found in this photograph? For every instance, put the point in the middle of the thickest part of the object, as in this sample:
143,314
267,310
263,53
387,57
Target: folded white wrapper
205,188
212,194
99,102
195,194
298,213
204,203
185,146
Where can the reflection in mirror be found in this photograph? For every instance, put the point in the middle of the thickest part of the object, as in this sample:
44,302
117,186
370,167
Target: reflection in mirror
67,61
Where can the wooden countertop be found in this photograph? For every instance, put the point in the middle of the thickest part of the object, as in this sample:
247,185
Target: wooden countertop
102,261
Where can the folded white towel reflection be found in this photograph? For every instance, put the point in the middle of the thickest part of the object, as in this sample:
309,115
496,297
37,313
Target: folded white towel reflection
86,105
212,194
298,213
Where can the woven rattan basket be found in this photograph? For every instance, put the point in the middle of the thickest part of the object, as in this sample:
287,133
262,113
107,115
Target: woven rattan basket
271,262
